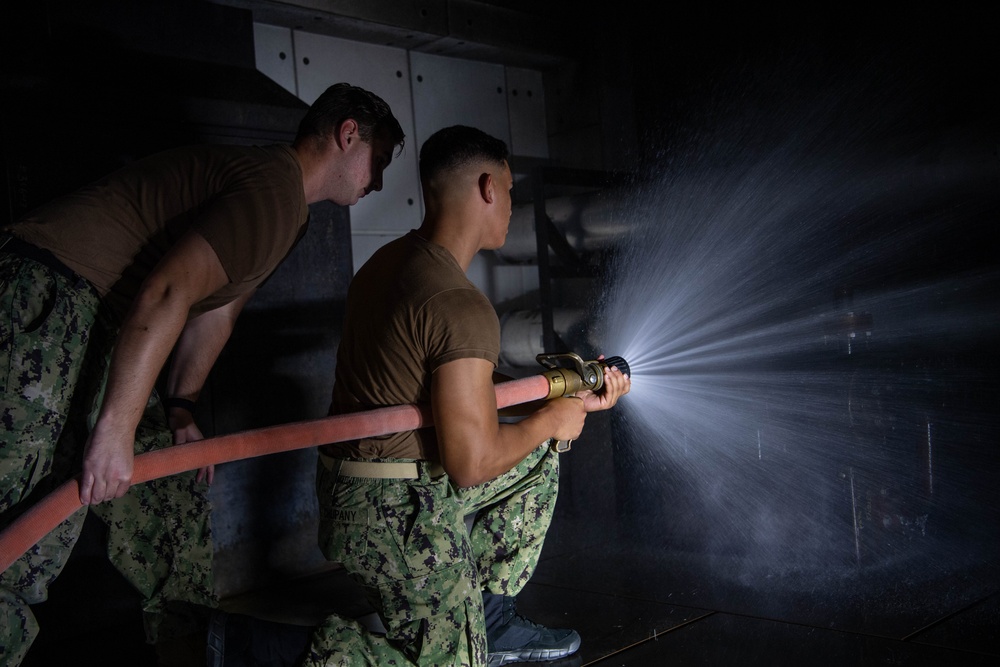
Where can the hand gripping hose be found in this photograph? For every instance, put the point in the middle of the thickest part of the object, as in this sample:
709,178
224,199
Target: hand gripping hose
56,507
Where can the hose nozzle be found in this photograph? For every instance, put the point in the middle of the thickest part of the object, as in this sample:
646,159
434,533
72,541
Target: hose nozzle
568,373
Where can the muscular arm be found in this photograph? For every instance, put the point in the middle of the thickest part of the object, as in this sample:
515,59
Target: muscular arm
189,272
199,346
195,353
473,445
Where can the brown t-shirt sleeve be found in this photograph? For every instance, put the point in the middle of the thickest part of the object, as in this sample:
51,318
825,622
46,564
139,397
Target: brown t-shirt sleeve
242,224
460,323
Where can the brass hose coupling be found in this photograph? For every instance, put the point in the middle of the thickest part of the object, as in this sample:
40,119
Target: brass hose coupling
568,374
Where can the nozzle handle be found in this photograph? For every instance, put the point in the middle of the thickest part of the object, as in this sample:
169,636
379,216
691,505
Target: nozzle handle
619,363
560,446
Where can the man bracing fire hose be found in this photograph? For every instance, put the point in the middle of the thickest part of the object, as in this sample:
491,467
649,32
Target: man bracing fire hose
567,374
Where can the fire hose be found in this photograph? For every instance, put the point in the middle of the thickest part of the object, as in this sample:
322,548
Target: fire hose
566,375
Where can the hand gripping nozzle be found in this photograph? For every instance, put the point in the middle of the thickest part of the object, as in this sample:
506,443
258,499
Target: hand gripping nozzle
568,374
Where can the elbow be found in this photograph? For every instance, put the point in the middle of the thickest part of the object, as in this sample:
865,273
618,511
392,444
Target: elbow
158,295
154,294
465,475
464,480
467,482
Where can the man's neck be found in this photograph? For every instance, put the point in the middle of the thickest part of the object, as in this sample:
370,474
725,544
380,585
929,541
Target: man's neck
459,245
313,177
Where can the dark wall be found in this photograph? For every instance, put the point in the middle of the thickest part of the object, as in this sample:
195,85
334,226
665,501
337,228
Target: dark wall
90,86
880,131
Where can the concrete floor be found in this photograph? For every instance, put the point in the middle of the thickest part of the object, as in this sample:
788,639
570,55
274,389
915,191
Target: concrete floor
634,606
641,592
639,606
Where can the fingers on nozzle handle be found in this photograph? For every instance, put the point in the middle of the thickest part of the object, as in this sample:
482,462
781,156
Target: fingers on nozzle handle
620,363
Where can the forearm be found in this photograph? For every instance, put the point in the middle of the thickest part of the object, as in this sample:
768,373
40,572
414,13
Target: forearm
144,343
488,450
198,348
473,445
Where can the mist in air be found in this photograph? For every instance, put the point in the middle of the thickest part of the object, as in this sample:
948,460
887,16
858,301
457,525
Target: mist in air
805,311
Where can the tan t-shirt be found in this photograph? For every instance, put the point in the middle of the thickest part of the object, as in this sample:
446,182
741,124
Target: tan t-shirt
410,309
248,203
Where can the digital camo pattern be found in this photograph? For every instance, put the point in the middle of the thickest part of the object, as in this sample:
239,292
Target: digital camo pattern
54,348
159,533
45,329
406,543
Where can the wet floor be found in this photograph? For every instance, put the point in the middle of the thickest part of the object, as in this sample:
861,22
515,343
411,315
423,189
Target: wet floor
634,601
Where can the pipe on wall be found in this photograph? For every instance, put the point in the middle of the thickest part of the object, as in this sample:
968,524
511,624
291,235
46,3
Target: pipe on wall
522,339
589,222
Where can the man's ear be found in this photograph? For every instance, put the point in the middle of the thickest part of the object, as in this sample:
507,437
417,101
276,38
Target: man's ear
347,133
486,187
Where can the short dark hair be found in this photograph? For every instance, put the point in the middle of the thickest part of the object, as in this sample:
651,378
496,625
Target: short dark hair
456,146
342,101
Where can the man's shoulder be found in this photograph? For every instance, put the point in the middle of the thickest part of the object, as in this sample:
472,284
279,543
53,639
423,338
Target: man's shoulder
465,300
418,273
408,255
435,272
216,157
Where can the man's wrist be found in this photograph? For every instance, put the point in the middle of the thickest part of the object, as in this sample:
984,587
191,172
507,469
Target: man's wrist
182,403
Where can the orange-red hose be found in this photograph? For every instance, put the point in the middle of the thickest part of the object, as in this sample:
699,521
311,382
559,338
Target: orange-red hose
56,507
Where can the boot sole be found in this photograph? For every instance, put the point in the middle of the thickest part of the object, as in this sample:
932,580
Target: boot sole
531,655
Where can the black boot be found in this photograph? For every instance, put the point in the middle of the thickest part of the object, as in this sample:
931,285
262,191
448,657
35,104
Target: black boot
237,640
512,638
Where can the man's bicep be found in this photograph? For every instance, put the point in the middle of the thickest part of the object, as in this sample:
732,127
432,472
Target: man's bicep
464,404
192,266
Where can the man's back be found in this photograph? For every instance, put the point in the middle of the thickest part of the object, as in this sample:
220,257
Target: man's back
246,201
410,309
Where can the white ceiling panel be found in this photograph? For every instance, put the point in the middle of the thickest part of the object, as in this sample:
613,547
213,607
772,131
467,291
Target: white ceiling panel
274,54
451,91
526,106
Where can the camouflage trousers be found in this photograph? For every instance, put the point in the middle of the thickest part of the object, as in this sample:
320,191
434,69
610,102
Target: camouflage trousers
406,543
54,351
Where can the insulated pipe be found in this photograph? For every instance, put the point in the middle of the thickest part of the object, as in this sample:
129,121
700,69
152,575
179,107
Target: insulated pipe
56,507
589,222
522,336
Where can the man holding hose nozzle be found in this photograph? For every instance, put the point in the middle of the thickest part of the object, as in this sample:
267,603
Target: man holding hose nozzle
98,288
393,508
444,594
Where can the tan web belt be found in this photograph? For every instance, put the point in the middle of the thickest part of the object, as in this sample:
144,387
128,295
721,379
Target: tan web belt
379,469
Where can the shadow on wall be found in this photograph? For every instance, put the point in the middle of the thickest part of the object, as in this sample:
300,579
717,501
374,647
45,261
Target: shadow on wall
278,368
